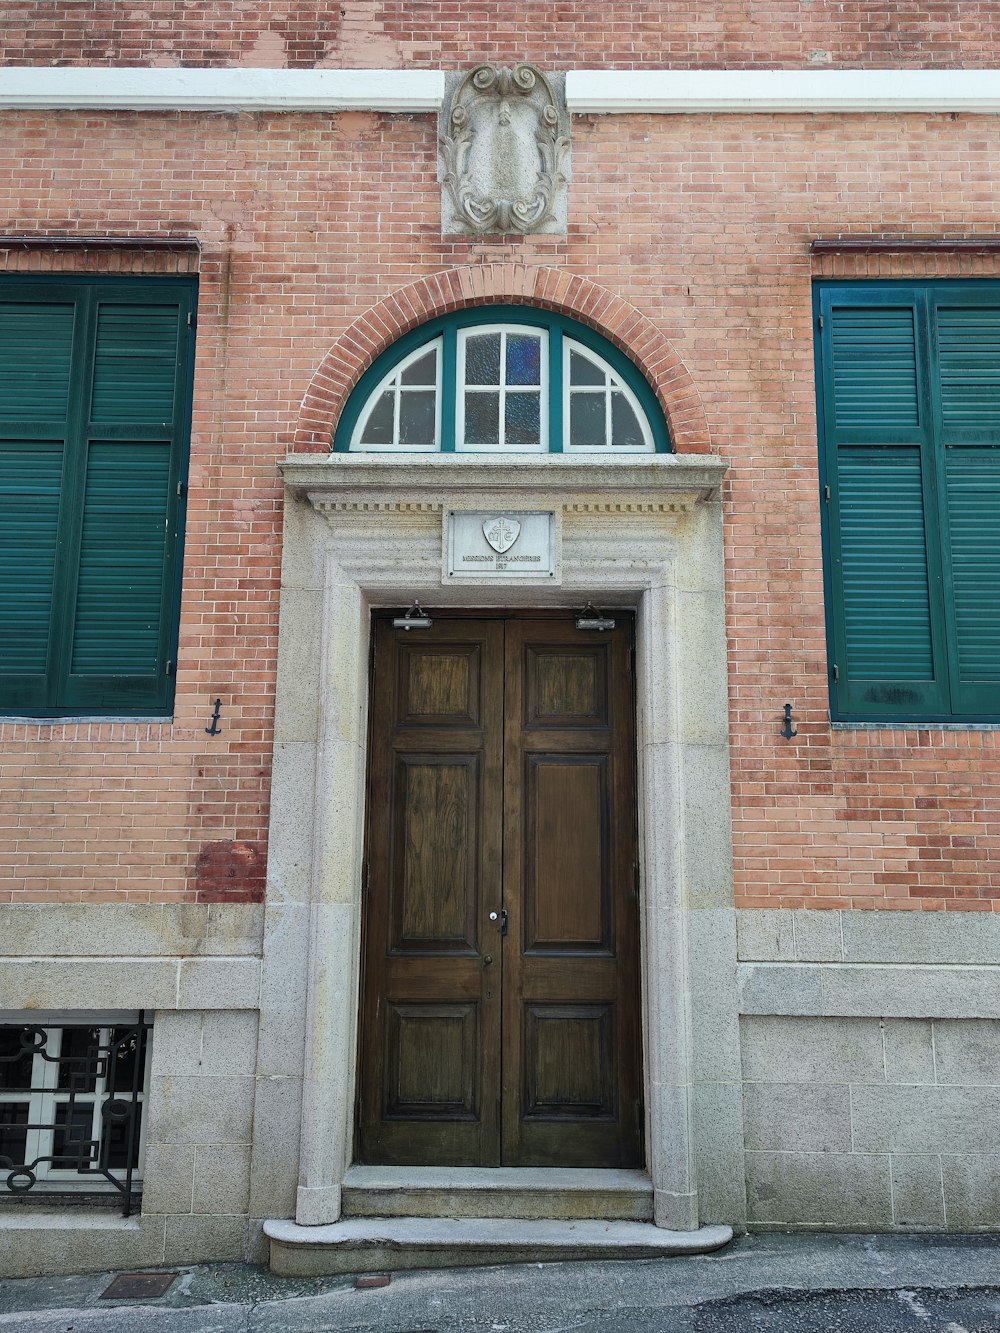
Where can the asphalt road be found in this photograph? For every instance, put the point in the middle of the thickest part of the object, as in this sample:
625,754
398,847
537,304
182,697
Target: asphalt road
759,1284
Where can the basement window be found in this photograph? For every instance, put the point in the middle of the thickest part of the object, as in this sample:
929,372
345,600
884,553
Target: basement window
71,1106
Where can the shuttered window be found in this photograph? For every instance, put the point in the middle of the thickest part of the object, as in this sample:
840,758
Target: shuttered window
94,418
909,410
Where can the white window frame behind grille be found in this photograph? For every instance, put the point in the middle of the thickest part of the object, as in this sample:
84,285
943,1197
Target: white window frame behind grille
46,1096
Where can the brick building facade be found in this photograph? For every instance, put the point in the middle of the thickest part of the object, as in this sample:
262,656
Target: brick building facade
821,1053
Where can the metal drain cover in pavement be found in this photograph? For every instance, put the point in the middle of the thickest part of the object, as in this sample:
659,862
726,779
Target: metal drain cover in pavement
133,1286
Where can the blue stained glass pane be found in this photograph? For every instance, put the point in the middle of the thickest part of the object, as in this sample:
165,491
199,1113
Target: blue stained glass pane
524,359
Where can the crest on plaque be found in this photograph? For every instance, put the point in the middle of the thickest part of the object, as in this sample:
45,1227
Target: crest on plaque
505,152
501,533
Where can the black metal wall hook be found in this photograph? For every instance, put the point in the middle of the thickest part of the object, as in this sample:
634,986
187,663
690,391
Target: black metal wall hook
214,729
788,731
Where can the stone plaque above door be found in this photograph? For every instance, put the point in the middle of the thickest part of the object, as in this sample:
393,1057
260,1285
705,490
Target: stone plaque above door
500,545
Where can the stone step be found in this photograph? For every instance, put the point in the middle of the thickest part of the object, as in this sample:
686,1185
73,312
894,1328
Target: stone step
389,1244
499,1192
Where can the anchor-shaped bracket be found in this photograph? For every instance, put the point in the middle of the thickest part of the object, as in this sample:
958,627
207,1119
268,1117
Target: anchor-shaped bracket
214,729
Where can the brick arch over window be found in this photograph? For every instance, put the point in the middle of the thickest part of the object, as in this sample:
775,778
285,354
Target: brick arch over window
510,284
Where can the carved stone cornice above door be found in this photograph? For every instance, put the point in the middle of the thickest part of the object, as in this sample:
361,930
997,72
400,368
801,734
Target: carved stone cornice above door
504,152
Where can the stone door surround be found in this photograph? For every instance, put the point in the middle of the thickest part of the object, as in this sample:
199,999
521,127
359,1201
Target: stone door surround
367,531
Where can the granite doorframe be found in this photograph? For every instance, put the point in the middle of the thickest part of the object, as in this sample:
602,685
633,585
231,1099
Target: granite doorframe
363,532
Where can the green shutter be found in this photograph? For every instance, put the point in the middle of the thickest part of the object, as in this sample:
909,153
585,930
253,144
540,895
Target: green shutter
36,351
966,383
972,488
135,363
967,372
886,592
120,593
885,583
30,484
874,367
36,344
93,431
910,423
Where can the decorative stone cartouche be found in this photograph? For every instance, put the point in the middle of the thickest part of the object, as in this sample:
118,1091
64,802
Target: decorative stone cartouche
505,159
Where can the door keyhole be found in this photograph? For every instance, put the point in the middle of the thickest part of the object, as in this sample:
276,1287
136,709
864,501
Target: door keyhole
500,916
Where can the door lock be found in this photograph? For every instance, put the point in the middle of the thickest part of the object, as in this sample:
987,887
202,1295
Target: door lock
500,916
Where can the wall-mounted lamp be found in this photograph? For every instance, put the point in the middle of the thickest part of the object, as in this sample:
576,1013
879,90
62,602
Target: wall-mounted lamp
415,618
591,618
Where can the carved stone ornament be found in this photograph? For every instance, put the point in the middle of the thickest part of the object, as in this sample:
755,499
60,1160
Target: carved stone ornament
505,157
501,533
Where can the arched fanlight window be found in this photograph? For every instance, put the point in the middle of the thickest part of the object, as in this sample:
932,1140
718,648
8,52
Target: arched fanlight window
503,379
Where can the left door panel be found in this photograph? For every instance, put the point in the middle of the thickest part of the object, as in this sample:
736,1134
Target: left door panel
431,993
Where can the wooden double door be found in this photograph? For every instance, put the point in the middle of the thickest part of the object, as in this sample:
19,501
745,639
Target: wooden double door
500,1011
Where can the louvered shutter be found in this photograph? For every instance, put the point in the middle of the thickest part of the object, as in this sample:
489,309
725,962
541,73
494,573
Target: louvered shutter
93,542
36,354
966,385
885,576
120,608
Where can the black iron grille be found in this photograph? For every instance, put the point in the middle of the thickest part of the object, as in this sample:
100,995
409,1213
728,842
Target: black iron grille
71,1102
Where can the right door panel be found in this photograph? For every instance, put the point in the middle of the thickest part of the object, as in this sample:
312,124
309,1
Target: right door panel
570,1032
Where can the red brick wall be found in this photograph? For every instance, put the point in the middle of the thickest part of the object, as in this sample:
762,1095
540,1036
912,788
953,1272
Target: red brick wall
673,33
702,225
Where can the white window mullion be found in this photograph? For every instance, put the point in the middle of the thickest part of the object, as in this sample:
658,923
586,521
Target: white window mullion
101,1084
44,1077
397,418
502,427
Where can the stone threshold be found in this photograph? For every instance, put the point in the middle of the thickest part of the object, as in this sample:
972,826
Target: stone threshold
497,1192
365,1245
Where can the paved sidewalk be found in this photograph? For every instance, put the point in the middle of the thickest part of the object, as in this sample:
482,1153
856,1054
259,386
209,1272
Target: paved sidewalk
796,1283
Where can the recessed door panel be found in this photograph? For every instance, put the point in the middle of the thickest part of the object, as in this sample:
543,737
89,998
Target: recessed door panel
567,880
439,685
500,1019
435,863
569,1062
566,686
432,1058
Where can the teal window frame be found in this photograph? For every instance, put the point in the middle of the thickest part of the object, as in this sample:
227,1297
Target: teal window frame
924,460
557,326
57,690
